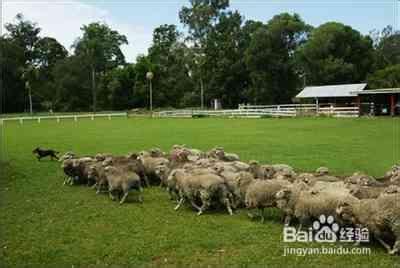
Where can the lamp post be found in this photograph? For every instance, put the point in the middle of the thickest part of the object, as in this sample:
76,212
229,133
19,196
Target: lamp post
150,76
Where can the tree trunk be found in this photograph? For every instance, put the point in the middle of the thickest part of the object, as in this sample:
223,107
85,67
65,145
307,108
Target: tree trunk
94,92
30,100
202,93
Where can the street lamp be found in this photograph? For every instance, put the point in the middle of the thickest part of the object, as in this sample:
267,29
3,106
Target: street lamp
150,76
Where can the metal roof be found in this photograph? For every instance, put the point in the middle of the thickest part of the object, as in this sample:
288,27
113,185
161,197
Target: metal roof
380,91
346,90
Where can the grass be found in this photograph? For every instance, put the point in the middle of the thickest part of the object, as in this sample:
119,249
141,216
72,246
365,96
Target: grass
43,222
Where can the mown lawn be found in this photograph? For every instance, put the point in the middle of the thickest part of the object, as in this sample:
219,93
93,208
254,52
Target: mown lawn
43,222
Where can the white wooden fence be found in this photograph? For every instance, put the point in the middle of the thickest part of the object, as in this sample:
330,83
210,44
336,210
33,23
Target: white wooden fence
339,111
60,117
244,111
257,111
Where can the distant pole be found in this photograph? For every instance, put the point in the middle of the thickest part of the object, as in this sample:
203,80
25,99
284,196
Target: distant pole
201,93
150,76
28,86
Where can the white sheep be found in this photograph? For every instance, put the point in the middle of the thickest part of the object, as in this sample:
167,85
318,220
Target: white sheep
381,216
261,194
122,182
206,188
304,203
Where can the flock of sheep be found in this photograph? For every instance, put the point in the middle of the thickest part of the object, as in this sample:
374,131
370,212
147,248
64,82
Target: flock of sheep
216,179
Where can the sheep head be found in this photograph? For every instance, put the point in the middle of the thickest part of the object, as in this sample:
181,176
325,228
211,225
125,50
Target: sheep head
282,198
345,212
133,156
92,173
161,170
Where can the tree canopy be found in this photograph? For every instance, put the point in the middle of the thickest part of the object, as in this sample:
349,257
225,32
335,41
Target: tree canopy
219,54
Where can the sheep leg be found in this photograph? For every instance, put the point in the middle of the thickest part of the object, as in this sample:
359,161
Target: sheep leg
205,200
396,248
146,180
204,207
123,198
66,180
181,201
303,221
383,243
262,215
227,204
110,190
140,198
194,205
287,220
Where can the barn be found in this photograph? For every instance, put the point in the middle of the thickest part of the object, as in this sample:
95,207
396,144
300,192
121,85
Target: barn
369,101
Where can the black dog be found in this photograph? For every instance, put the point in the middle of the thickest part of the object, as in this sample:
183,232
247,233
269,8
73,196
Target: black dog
40,153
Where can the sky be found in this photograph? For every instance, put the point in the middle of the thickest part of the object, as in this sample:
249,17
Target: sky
137,18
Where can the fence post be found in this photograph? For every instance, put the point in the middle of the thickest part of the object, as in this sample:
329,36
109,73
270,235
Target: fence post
372,109
92,117
1,122
109,117
58,119
38,120
21,121
75,118
331,110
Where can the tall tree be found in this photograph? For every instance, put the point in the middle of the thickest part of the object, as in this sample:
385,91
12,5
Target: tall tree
12,59
72,84
336,54
25,34
200,19
49,53
100,46
388,77
224,52
270,58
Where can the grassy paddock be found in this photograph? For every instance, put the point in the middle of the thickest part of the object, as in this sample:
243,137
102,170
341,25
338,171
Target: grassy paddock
43,222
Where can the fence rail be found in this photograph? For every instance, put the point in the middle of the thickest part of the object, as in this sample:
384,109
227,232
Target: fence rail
60,117
245,111
254,111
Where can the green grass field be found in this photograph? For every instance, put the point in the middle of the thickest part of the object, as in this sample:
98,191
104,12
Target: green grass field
43,222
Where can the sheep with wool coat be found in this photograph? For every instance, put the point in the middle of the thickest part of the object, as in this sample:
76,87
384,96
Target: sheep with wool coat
261,194
304,203
122,182
150,163
207,188
381,216
131,162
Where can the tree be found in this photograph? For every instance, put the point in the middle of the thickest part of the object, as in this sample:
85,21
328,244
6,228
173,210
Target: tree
12,86
224,58
336,54
25,34
49,52
388,77
200,18
387,47
169,62
118,89
100,46
270,58
72,84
